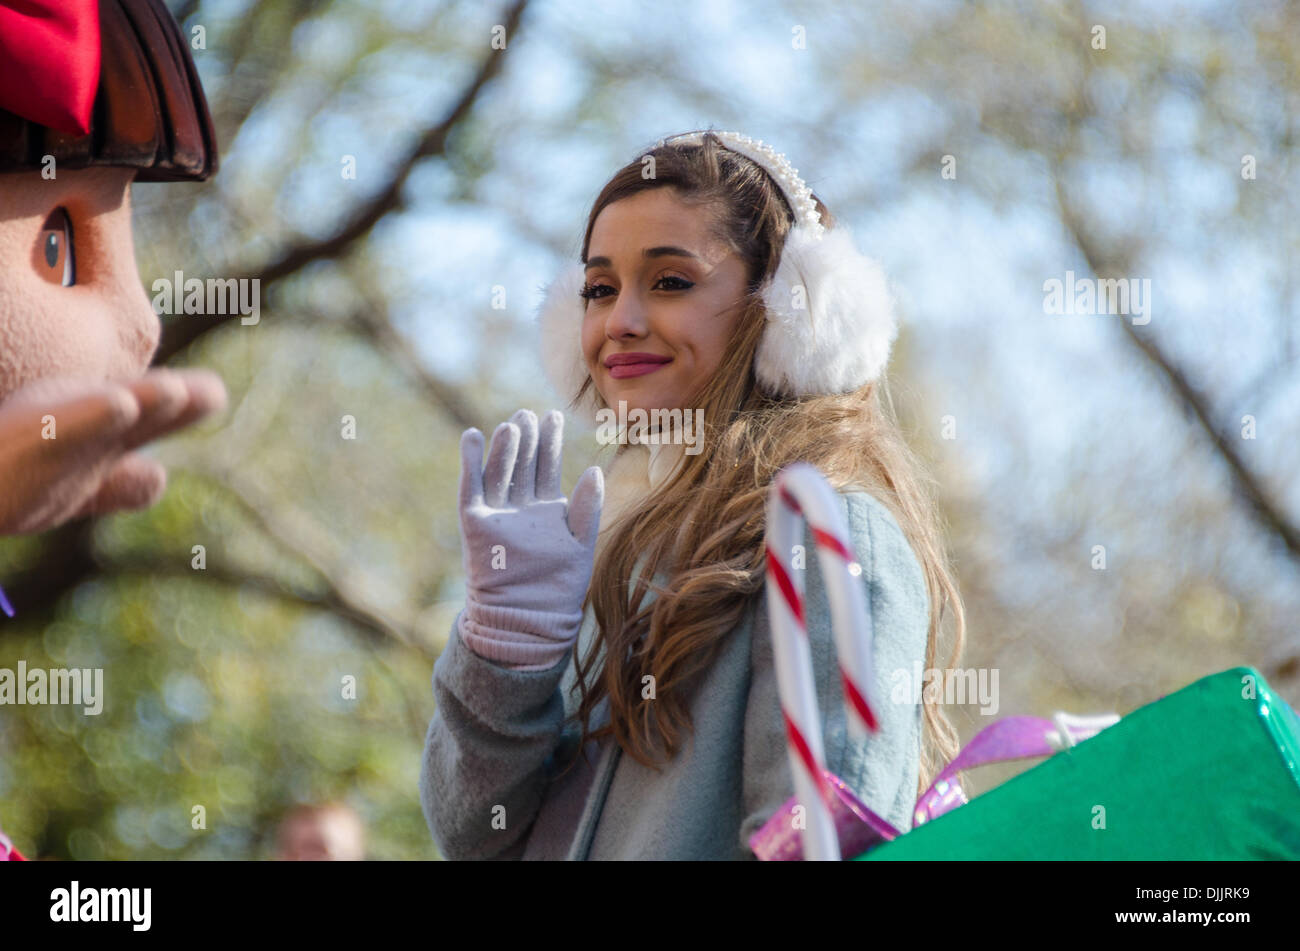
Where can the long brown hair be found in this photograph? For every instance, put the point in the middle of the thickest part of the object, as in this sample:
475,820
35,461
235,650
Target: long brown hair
703,529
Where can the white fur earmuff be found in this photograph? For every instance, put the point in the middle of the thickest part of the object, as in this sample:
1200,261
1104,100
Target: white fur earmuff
560,323
830,317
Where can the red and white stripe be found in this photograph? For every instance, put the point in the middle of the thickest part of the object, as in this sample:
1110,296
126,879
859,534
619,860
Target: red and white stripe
798,492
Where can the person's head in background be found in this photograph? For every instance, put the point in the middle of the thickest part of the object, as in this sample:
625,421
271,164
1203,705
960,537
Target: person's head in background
331,832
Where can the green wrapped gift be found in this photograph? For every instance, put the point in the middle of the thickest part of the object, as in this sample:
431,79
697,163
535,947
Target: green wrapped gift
1209,772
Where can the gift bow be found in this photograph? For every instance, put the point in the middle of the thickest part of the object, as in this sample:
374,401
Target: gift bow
858,828
49,61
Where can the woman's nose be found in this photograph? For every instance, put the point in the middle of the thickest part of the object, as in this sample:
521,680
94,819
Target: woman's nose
627,318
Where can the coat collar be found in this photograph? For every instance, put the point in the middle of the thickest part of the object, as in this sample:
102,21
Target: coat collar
633,474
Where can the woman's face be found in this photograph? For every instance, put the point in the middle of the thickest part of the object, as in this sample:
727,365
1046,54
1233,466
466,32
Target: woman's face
665,297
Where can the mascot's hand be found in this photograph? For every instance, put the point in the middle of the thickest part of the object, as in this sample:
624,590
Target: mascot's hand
66,444
525,546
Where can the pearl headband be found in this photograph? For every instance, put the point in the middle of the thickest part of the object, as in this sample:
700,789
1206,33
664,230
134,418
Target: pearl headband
796,192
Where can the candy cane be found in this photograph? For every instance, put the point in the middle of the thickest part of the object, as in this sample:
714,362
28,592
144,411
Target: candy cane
800,490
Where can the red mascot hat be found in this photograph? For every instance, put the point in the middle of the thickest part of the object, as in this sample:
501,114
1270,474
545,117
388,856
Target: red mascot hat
101,82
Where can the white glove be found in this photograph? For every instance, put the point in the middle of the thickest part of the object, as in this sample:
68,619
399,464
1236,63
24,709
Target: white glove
527,551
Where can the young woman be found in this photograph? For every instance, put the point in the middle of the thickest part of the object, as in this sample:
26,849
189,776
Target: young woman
609,690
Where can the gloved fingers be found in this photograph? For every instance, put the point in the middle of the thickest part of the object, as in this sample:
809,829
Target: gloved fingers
584,506
525,476
471,468
550,438
500,464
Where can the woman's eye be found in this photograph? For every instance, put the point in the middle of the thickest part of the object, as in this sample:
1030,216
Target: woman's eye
594,291
588,291
56,256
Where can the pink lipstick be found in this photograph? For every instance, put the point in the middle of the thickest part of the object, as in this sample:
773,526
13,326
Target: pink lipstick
623,365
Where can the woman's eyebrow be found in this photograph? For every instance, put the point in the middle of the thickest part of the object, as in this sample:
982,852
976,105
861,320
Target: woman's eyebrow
662,251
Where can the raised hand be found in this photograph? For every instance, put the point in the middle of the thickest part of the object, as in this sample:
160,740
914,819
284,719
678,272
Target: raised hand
525,547
66,444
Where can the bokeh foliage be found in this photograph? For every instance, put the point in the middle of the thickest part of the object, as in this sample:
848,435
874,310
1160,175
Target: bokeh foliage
330,557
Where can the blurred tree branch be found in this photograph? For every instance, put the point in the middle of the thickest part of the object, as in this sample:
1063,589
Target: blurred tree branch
1103,264
68,558
180,334
156,565
186,10
303,539
259,22
375,629
377,326
65,561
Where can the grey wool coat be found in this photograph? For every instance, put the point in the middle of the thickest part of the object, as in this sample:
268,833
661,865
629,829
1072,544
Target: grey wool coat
499,737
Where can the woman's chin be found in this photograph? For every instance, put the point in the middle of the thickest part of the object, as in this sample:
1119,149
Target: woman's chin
633,400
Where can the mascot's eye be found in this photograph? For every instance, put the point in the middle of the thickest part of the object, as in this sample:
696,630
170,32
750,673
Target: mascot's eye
55,256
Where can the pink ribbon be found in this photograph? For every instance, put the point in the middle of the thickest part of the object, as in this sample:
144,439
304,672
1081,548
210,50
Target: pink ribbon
859,828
